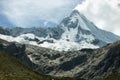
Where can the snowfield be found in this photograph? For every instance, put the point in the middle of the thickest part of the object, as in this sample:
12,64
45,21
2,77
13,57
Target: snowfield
60,45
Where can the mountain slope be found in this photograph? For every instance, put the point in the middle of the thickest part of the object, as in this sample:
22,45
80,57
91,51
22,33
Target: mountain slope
12,69
86,63
115,76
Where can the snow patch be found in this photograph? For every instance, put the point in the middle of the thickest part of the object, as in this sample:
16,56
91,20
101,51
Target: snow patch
60,45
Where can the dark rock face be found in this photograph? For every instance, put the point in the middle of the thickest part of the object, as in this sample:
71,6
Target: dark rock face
86,63
109,63
68,65
16,50
4,31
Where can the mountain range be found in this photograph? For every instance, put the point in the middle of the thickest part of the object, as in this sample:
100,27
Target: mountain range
75,32
74,48
90,64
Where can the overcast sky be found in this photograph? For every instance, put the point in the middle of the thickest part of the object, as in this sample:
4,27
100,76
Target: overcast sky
104,13
25,13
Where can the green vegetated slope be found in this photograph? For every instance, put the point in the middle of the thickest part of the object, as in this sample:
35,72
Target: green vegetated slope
113,77
13,69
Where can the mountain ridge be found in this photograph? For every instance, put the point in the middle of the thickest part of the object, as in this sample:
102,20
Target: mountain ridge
75,32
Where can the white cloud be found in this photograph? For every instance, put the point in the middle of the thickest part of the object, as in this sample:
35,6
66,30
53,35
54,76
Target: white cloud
26,12
104,13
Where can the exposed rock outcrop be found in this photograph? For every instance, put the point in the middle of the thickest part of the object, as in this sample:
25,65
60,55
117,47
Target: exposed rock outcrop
86,63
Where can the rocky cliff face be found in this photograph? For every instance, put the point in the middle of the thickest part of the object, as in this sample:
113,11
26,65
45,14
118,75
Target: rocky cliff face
16,50
86,63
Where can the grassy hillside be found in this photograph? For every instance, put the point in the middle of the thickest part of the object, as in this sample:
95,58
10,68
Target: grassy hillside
13,69
113,77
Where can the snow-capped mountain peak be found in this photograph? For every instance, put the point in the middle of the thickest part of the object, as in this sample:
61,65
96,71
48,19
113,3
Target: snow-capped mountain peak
75,32
74,20
79,29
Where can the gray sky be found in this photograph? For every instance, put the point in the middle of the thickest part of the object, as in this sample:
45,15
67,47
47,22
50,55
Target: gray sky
24,12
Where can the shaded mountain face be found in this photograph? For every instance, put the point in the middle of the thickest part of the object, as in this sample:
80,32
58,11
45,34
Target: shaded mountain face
75,32
115,76
91,64
4,31
13,69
